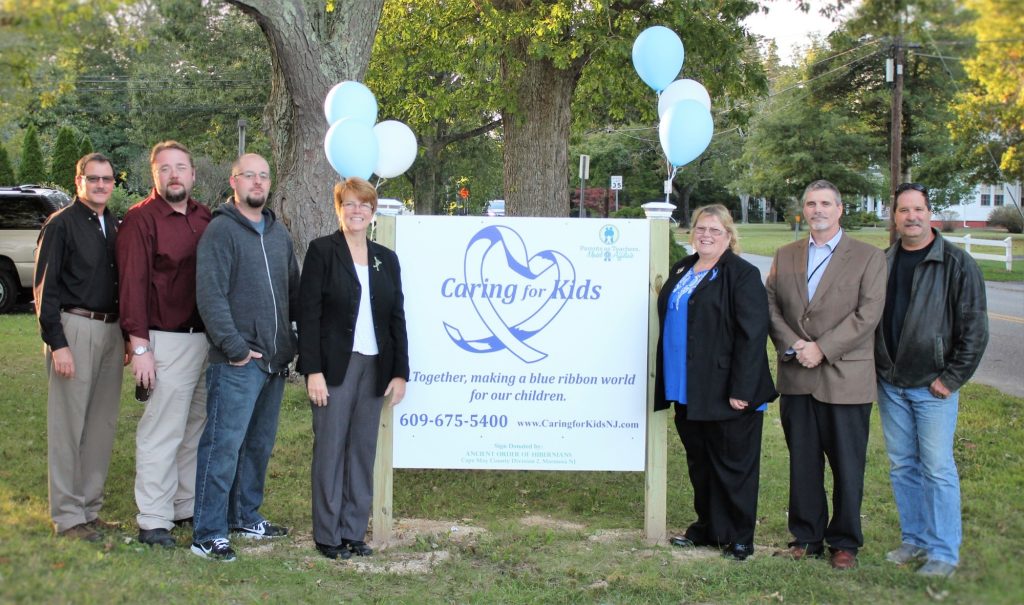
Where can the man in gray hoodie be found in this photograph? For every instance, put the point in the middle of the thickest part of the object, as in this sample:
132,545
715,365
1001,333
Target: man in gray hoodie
247,290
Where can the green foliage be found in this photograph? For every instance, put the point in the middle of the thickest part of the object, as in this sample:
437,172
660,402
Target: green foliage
629,212
121,200
6,169
676,251
65,156
32,169
990,112
855,219
795,141
830,118
1007,217
85,147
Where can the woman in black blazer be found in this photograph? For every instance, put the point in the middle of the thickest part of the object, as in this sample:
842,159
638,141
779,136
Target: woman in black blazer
354,352
712,364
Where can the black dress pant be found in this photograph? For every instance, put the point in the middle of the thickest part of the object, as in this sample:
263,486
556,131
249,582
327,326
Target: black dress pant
724,462
816,430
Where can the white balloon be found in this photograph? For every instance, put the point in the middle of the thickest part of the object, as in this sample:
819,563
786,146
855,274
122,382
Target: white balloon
397,148
682,89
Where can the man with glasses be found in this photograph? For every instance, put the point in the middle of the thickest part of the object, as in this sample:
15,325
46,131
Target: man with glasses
76,301
826,295
156,253
933,333
247,293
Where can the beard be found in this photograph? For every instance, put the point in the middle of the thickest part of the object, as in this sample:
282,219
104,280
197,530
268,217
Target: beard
255,202
174,198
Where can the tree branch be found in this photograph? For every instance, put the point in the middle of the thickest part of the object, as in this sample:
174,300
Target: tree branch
469,134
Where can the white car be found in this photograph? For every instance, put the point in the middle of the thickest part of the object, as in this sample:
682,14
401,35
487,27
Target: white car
495,208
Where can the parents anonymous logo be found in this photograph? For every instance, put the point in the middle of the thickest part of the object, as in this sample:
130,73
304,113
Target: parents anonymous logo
515,293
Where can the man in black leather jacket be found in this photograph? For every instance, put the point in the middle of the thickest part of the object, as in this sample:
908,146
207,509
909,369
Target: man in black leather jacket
929,343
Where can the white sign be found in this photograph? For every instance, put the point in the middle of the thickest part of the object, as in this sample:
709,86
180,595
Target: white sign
528,343
584,167
616,183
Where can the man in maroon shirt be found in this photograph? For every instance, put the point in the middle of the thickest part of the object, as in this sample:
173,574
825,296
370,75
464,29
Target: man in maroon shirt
156,255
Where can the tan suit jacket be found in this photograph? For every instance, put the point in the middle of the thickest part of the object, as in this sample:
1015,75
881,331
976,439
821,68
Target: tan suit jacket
841,319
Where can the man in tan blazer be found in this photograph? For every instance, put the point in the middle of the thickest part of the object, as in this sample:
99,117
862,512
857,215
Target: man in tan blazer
826,295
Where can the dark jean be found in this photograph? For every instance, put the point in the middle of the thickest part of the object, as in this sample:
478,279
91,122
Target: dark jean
242,406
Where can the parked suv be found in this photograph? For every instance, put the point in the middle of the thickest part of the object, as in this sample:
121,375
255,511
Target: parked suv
23,210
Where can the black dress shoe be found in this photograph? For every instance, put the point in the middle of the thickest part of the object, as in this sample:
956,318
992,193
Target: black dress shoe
738,552
358,547
183,522
334,552
156,537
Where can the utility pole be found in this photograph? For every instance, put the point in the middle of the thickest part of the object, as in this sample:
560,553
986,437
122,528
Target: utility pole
895,75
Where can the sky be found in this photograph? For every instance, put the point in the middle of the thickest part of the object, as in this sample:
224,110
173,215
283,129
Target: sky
791,28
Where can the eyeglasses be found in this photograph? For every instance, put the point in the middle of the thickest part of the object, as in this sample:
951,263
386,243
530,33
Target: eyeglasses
249,175
911,187
92,180
350,206
712,231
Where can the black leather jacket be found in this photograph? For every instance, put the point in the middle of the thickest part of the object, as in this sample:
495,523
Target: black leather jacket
946,328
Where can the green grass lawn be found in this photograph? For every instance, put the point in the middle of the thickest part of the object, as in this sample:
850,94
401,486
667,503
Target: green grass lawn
765,239
494,537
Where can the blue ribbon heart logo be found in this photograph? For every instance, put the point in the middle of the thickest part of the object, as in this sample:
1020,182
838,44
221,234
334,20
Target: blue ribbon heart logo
499,252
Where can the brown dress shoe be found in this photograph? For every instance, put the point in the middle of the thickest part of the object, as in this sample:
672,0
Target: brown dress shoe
843,559
798,552
81,532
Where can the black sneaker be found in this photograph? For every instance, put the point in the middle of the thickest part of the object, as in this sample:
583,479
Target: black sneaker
261,531
156,537
218,549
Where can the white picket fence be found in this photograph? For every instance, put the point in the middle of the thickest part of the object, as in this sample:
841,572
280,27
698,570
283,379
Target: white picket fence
1006,244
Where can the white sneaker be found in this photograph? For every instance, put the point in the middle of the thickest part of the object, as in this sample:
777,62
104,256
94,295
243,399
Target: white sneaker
218,549
261,531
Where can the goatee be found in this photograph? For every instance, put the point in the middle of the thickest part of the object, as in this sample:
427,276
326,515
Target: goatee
174,198
255,202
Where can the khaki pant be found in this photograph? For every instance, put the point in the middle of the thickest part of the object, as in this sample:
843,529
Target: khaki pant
81,419
167,438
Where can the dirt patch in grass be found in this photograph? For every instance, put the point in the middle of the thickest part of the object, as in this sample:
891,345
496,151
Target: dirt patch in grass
405,532
608,536
551,523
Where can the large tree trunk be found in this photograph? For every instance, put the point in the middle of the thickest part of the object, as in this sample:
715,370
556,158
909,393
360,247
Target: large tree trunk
311,51
536,123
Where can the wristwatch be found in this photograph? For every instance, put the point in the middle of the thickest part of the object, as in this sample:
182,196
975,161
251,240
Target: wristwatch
141,350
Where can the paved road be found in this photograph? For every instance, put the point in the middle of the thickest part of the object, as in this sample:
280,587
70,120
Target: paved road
1003,364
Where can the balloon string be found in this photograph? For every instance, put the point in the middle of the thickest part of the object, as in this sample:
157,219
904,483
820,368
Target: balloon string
380,181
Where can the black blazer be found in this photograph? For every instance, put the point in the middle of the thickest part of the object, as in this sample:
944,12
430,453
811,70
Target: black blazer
329,294
726,335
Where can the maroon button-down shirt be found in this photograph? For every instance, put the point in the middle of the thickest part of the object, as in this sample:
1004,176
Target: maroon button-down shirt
156,256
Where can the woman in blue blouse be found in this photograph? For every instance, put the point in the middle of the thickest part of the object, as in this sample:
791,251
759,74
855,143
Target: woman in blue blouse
713,367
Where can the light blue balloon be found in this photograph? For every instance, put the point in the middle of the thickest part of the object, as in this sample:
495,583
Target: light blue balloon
350,99
351,148
685,131
658,56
